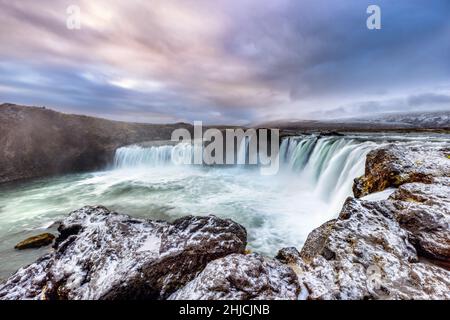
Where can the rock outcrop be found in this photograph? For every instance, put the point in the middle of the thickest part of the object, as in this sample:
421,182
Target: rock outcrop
389,249
104,255
367,255
38,142
423,210
395,165
242,277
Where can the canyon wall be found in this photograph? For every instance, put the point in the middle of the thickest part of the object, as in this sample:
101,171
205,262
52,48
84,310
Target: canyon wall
38,142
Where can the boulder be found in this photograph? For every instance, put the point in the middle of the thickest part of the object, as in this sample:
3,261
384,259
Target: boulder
395,165
423,210
35,242
288,255
100,254
316,241
242,277
366,254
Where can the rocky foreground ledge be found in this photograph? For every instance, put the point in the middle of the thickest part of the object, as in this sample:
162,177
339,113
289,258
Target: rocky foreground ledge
397,248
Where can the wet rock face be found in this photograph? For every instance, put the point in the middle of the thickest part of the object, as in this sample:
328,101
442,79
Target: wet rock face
242,277
105,255
36,241
421,204
316,242
396,165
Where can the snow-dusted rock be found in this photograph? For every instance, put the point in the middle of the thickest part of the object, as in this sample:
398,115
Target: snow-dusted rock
365,254
397,248
395,165
104,255
423,210
242,277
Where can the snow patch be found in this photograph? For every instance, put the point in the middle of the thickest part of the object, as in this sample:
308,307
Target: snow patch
152,243
378,196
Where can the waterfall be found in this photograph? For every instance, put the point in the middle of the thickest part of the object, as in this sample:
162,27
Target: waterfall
182,153
243,152
137,156
327,164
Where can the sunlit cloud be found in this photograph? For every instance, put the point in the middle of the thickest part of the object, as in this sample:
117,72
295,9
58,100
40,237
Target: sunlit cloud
224,61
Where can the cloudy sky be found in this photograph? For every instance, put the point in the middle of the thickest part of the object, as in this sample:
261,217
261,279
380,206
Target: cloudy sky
226,61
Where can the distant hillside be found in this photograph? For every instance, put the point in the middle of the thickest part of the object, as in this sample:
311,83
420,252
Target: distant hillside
37,142
426,120
392,121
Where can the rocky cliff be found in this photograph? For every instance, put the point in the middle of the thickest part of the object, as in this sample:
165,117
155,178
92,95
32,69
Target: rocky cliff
395,248
396,165
37,142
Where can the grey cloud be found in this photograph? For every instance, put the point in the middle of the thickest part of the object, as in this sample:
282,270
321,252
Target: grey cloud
429,99
225,60
413,103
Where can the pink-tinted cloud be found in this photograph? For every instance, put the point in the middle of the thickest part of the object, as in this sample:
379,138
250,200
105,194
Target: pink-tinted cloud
219,61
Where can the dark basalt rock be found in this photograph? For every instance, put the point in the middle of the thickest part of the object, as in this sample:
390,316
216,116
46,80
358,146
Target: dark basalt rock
288,255
104,255
36,241
242,277
315,243
331,134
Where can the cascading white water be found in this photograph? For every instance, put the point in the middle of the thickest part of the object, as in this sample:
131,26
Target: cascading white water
137,156
182,153
315,177
243,151
326,165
